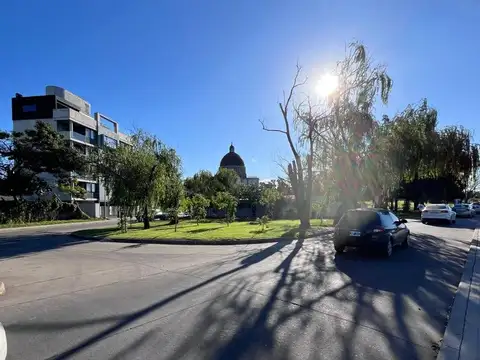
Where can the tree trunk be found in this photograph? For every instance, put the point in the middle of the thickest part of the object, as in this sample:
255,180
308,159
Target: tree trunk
396,205
305,221
176,222
146,220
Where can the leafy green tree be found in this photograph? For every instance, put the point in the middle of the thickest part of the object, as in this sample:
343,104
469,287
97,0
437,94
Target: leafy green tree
175,200
268,199
198,206
138,176
226,202
27,157
200,183
226,180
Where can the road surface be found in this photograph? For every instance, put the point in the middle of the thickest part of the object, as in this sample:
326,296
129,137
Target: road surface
291,300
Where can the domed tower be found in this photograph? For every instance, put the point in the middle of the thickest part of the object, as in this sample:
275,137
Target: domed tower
234,162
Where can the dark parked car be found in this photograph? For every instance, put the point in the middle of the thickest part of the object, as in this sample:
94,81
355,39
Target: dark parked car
160,216
376,229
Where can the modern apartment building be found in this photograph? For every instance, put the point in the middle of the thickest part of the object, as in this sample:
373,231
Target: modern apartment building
71,116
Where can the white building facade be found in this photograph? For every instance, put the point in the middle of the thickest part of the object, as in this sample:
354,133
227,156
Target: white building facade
71,116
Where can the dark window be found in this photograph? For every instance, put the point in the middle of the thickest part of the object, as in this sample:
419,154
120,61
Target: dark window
63,125
358,219
29,108
80,129
92,134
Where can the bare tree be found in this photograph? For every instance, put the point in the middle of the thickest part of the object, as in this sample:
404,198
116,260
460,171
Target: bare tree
301,128
329,137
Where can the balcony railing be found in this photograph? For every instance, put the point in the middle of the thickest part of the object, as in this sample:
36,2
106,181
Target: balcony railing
76,116
78,136
91,195
84,176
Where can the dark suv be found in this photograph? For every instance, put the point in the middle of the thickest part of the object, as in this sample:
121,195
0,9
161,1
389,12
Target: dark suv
378,229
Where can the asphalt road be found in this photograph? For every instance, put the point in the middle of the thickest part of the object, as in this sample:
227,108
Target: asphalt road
291,300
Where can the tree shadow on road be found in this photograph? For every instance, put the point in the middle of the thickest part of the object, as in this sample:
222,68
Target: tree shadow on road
306,303
21,245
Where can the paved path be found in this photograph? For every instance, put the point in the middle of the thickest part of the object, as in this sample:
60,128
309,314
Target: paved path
291,300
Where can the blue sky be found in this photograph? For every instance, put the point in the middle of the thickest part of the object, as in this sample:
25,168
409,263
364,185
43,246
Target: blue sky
199,74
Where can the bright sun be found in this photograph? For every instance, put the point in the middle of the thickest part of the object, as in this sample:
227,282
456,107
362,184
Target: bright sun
327,85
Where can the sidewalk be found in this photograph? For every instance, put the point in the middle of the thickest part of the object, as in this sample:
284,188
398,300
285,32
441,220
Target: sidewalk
462,336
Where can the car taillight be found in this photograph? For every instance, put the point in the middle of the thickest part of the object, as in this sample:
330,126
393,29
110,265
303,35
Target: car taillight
378,229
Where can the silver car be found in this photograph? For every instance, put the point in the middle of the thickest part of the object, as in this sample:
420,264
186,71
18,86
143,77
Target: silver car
464,210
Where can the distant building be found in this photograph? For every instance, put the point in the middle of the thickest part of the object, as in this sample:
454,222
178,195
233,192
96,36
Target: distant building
71,117
234,162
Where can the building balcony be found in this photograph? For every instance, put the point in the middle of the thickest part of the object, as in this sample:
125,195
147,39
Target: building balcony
75,116
89,196
85,177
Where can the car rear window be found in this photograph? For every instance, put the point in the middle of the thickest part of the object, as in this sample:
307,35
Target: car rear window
358,219
436,207
461,206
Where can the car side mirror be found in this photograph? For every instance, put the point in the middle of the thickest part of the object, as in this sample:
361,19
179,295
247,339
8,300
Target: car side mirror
403,221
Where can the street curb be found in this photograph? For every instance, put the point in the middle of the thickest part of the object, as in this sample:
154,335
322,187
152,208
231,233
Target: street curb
455,330
195,242
2,288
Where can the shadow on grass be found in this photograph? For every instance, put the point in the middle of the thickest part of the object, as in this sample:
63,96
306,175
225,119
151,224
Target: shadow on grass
198,231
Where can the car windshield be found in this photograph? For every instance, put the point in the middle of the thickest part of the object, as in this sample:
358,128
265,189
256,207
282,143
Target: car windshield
461,206
436,207
358,219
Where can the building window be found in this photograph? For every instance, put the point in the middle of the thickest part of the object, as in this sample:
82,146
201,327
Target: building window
92,134
63,125
29,108
79,129
91,188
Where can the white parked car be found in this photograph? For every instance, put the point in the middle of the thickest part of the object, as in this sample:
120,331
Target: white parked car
438,212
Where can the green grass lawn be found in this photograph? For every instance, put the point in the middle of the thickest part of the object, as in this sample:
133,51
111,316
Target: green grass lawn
40,223
189,230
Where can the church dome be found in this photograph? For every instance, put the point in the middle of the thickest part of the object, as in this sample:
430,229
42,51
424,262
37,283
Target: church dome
232,159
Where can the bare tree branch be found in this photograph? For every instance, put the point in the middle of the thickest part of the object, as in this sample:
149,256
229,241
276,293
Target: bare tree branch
272,130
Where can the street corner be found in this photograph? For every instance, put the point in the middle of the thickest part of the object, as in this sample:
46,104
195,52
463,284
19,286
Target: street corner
2,289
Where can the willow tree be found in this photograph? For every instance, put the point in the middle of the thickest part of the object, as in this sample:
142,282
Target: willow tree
328,136
137,175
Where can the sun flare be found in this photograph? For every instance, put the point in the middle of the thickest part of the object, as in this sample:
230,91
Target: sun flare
327,85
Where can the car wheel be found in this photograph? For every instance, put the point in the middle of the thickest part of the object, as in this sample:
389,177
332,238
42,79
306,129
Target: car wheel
454,221
424,222
405,242
389,248
339,249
